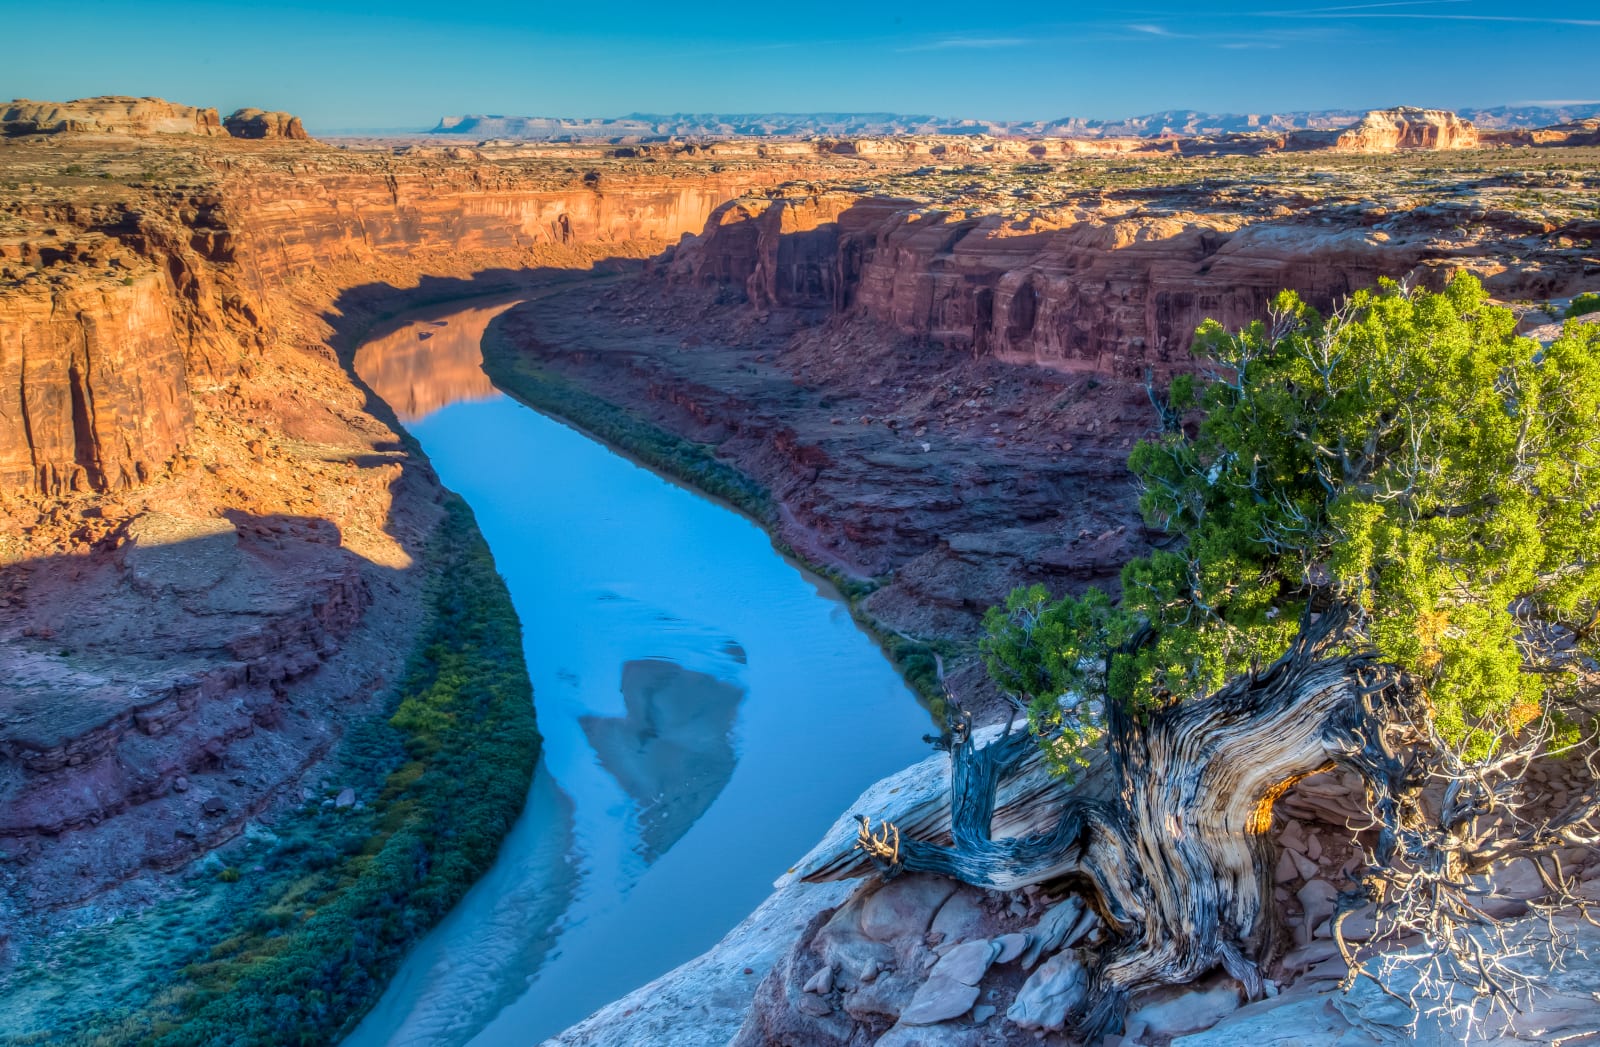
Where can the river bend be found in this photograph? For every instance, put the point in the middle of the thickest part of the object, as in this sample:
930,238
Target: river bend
708,709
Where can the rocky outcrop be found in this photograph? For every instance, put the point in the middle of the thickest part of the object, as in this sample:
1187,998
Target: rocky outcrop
1575,133
256,123
99,390
1406,127
1106,288
151,675
120,115
108,114
109,313
112,306
922,960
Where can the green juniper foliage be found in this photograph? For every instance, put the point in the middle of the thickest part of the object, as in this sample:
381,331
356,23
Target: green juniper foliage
1408,457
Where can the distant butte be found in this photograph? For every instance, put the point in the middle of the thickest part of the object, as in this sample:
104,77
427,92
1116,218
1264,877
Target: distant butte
124,115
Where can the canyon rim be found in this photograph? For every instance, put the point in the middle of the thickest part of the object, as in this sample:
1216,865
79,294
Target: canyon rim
266,716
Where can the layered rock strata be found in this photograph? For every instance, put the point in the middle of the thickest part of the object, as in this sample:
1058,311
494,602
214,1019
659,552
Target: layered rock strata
109,114
936,374
256,123
944,398
1106,286
209,548
116,300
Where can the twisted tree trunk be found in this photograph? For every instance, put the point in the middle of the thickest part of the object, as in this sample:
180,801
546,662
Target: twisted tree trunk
1176,864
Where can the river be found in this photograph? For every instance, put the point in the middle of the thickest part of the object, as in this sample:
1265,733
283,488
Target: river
708,709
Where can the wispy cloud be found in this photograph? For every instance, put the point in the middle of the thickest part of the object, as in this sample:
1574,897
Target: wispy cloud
1263,40
1431,16
969,42
1389,3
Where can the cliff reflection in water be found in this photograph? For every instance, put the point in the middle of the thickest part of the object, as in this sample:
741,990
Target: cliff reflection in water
671,751
620,867
428,364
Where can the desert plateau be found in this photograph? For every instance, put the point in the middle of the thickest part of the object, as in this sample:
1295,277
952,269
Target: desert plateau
782,577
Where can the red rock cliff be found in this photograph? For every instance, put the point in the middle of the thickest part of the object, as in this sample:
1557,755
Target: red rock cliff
1106,285
111,309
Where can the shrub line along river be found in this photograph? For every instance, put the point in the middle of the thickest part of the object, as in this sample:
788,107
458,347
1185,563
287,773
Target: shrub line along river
708,709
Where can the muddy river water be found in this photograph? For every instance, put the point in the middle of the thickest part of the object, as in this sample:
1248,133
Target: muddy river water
708,709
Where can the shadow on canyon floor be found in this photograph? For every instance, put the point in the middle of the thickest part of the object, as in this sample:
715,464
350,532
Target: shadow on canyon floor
344,743
170,684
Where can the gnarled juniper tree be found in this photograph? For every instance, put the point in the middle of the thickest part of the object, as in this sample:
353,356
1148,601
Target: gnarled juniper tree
1387,558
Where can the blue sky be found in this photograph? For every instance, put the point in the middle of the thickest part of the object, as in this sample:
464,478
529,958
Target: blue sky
352,63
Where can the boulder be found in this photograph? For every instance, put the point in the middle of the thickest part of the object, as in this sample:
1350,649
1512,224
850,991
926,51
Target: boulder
960,918
1317,900
1055,990
1061,926
940,999
1011,947
821,983
1185,1011
904,904
967,962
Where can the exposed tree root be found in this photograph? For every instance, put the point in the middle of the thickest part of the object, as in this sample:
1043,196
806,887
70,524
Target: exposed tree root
1177,863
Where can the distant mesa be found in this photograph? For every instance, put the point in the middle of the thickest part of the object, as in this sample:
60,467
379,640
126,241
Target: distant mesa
256,123
109,114
1405,127
123,115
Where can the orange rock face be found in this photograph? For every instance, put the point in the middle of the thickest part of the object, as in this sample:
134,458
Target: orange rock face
110,312
1098,291
1101,285
1576,133
101,392
1386,130
109,114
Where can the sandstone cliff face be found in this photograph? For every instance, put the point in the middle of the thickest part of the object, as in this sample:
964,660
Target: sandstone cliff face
109,313
112,307
1092,291
254,123
1406,127
291,220
109,114
1576,133
99,390
1099,284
